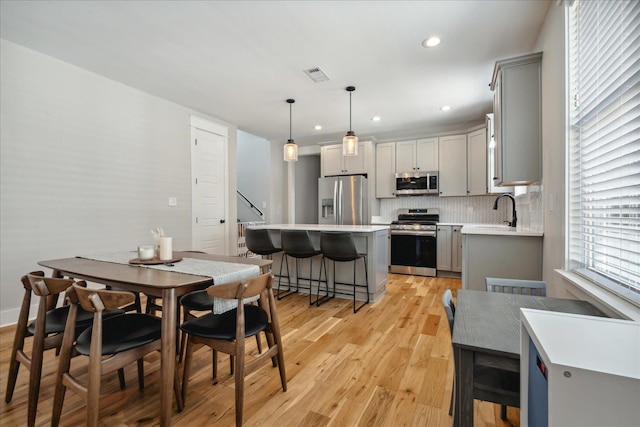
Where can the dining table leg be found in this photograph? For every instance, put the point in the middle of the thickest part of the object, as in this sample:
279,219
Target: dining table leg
168,354
463,416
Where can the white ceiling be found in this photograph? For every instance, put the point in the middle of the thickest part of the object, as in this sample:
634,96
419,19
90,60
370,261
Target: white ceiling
240,60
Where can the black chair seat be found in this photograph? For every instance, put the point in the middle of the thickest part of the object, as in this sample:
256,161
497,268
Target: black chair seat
304,254
342,258
339,246
259,242
223,326
56,319
197,301
122,333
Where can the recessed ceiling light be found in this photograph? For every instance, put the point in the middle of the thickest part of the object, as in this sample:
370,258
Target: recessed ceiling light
431,41
317,127
375,118
445,108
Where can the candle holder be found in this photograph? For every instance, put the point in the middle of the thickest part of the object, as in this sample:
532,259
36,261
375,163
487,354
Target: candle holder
146,252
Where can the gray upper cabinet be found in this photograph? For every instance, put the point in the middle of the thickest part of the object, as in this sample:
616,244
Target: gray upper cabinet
452,153
333,163
386,170
492,188
419,155
517,120
477,162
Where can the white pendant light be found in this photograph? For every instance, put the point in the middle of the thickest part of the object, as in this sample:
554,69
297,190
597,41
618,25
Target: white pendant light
290,148
350,141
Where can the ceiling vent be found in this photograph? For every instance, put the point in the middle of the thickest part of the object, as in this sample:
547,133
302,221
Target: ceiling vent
316,74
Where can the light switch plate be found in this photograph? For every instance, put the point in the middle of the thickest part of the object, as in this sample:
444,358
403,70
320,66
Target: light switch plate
173,201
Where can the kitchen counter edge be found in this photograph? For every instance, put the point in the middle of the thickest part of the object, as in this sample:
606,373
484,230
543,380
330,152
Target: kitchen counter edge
500,230
324,227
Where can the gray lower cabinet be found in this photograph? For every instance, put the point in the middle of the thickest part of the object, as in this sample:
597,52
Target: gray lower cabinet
449,248
456,248
443,253
514,257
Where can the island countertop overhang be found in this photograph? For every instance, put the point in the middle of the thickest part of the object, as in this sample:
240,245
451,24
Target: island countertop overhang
324,227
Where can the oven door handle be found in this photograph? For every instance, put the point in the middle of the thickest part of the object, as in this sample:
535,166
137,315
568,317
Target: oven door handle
413,233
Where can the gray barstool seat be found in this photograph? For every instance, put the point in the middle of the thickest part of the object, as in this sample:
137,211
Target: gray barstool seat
340,247
297,244
259,242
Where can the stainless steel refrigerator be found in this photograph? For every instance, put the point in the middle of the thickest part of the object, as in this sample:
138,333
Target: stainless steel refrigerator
343,200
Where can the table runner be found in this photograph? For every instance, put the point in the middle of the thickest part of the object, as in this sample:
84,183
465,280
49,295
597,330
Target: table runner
220,272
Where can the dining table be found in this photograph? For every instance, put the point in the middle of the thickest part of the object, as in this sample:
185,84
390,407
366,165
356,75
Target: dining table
167,280
486,332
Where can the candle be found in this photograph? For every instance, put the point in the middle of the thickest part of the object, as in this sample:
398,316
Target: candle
145,252
166,251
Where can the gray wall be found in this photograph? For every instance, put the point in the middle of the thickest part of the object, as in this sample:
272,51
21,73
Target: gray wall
552,43
254,171
87,166
307,172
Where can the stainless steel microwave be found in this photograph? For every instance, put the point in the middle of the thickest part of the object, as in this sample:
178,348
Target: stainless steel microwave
416,183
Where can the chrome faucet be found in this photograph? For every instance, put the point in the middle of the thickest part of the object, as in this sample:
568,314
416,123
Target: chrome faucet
514,218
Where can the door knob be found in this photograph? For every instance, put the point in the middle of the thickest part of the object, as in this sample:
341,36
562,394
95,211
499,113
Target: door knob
222,221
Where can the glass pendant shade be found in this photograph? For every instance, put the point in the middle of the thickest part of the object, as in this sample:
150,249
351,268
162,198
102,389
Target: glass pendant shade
350,141
290,151
350,144
290,148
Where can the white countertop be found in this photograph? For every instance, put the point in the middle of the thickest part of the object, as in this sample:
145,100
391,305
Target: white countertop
325,227
500,230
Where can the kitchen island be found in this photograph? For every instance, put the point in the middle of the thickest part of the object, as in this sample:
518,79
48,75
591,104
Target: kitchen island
371,240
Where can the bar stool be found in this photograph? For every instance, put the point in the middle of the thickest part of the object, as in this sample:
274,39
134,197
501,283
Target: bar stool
340,247
259,242
297,244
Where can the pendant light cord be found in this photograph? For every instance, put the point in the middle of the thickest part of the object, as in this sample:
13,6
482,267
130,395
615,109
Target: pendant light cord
350,111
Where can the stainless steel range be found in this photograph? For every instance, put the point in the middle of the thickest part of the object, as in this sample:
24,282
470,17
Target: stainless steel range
414,242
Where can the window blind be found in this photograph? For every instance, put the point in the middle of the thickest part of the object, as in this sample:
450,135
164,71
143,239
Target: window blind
604,144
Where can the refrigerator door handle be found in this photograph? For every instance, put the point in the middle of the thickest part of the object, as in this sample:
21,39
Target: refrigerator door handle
335,201
340,201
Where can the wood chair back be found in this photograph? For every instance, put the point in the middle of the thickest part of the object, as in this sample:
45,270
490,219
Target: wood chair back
202,330
104,357
44,338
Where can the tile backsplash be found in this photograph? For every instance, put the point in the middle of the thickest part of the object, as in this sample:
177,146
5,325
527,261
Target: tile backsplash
473,209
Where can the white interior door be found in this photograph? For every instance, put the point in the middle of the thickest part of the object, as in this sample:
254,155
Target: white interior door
209,191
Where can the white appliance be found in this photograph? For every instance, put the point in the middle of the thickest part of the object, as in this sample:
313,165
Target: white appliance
578,370
343,200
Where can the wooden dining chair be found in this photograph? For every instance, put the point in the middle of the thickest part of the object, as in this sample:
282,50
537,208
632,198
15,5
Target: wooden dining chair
110,343
516,286
47,332
228,331
201,301
489,384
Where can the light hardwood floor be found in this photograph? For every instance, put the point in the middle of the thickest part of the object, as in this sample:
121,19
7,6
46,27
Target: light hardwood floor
388,365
